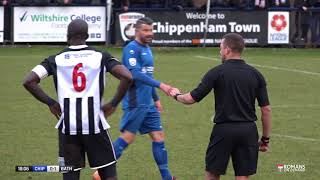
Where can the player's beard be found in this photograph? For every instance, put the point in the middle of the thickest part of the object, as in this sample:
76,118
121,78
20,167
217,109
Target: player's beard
147,39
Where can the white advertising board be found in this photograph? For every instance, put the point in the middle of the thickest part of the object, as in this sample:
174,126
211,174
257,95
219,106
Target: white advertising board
49,24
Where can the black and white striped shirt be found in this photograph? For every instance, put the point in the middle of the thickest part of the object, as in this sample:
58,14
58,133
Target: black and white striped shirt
79,77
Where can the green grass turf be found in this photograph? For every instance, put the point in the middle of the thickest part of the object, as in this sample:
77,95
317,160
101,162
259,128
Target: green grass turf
28,136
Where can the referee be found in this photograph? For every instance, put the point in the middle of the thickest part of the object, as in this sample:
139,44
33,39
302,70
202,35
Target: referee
236,86
79,78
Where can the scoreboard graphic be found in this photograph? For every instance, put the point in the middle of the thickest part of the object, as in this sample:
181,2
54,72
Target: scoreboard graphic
54,169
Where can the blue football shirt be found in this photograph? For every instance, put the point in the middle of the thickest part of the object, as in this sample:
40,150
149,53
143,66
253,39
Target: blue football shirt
138,58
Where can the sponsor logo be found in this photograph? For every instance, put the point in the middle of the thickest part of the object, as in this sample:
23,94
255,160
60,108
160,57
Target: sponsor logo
50,24
95,35
59,18
88,19
278,22
127,24
24,16
67,56
84,55
133,61
129,30
147,69
43,17
278,28
179,29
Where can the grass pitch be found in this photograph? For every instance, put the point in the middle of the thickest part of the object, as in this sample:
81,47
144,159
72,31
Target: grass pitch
28,136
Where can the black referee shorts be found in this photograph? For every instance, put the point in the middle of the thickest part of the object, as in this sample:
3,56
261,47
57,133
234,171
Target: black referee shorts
98,147
238,140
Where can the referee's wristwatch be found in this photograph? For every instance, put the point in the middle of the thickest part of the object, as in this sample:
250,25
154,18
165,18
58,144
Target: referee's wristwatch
265,140
176,96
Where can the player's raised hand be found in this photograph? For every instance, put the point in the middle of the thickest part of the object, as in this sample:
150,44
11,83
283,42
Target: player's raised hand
165,88
108,109
158,106
55,109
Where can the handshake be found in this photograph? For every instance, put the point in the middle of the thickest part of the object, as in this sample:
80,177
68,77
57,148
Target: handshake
169,90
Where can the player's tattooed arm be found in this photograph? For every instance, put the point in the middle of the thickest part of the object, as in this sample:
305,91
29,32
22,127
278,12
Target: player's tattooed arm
31,83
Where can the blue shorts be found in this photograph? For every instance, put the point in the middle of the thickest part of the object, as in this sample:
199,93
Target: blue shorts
144,119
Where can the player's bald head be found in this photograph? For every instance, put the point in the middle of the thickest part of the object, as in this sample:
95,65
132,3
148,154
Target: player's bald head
78,29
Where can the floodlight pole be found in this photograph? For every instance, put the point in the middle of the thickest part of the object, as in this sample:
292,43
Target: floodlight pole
108,14
207,22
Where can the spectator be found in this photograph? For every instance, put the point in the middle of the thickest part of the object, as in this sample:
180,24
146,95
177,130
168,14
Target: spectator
282,3
64,2
260,4
81,2
137,4
123,4
199,4
6,20
156,3
147,3
75,2
221,3
177,4
41,2
302,19
5,2
23,2
279,3
239,3
96,2
315,25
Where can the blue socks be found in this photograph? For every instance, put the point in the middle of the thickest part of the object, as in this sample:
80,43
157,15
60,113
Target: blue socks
119,145
160,155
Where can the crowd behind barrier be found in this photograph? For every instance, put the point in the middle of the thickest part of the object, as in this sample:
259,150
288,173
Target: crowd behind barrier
305,14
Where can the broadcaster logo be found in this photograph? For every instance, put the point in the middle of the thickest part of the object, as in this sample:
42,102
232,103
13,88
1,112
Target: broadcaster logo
291,168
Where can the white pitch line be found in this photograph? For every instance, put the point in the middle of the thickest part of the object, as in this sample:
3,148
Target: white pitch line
296,137
268,67
296,106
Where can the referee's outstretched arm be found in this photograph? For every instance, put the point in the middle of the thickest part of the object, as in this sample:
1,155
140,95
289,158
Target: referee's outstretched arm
183,98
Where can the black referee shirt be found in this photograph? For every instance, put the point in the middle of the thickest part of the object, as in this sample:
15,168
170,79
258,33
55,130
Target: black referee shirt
236,85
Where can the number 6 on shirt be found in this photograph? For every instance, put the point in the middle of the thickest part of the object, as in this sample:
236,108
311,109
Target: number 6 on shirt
76,75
